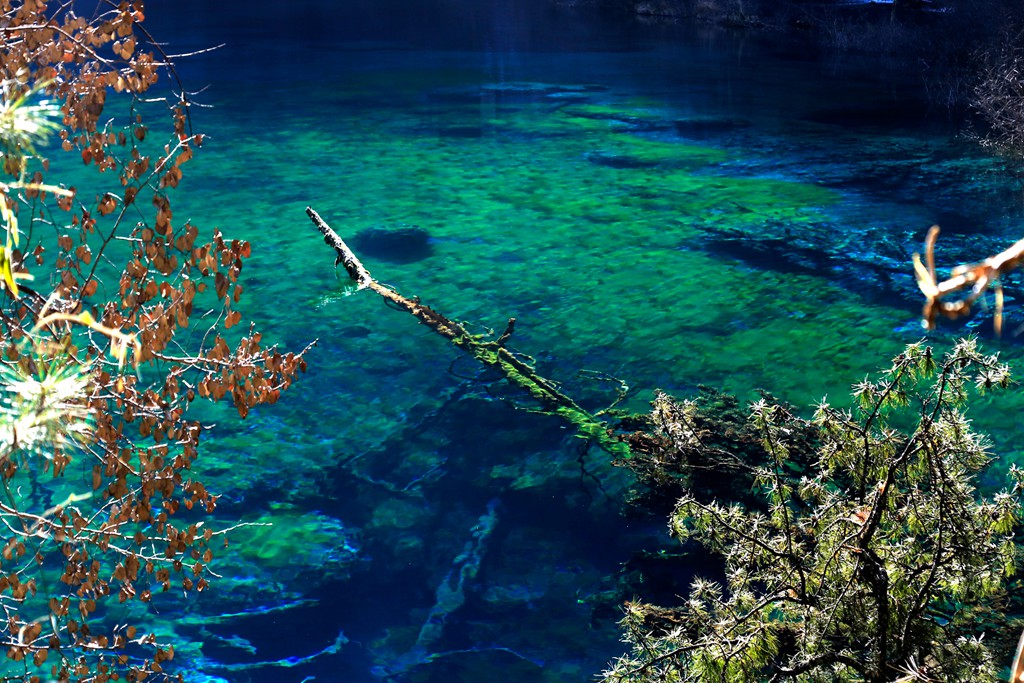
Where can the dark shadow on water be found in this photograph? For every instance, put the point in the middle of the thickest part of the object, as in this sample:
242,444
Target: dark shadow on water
551,564
394,245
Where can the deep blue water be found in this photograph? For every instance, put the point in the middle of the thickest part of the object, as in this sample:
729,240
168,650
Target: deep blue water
666,204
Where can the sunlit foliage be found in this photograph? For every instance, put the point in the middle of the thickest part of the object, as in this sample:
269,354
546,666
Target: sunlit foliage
112,319
880,563
998,92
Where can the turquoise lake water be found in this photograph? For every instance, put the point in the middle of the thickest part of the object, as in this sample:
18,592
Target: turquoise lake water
659,207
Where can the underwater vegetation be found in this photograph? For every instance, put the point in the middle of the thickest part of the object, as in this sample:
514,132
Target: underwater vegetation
730,256
651,215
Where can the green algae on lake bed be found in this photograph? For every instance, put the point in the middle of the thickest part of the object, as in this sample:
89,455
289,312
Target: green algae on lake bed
523,222
614,239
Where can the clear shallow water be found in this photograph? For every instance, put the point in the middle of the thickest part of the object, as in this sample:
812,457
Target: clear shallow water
669,207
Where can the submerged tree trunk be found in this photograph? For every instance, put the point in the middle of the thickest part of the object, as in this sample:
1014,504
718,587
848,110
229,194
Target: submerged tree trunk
491,353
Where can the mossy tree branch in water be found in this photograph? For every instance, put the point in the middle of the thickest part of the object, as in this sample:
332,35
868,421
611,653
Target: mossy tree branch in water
492,353
880,564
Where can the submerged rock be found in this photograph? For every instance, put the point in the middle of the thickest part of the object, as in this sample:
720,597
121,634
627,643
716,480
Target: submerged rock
394,245
516,92
459,131
632,119
706,126
619,160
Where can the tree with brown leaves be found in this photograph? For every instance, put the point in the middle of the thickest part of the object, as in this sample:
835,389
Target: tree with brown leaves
97,297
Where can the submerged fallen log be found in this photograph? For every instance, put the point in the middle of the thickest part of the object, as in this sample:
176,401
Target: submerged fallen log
491,353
